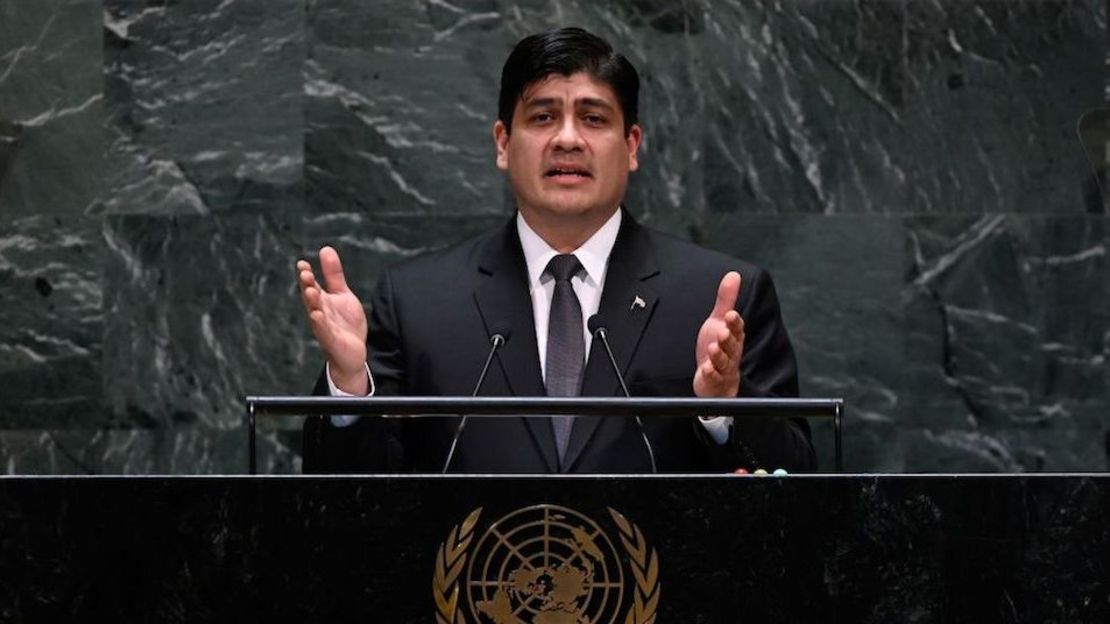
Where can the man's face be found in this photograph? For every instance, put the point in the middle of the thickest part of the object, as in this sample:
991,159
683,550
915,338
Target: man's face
567,155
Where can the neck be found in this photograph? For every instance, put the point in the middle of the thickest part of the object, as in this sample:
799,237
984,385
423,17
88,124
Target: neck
566,233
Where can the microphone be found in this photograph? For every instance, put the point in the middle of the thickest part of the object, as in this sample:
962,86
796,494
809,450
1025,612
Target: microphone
499,335
597,328
497,338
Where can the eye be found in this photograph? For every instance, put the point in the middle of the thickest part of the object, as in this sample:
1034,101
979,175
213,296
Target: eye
594,119
542,117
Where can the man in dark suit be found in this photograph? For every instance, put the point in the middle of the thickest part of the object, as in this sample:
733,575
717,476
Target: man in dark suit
679,322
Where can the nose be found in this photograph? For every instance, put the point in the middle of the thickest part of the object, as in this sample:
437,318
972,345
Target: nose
568,137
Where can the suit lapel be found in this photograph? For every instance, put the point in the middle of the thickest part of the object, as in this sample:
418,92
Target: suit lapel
627,304
502,298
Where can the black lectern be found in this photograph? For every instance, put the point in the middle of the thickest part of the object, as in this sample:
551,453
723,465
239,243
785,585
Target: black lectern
605,549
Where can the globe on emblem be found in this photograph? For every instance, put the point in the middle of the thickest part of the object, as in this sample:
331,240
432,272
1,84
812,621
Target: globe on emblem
545,565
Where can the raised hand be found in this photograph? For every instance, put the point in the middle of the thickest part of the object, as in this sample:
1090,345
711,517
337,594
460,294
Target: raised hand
337,320
721,344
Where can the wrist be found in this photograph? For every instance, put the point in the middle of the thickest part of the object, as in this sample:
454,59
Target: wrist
353,381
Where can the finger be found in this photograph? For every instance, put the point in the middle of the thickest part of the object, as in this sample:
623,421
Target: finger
710,374
711,350
332,270
718,357
723,334
730,347
306,279
734,322
735,330
305,276
320,328
727,293
311,298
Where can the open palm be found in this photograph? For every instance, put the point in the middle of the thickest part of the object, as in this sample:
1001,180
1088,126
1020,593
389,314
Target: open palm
721,344
336,316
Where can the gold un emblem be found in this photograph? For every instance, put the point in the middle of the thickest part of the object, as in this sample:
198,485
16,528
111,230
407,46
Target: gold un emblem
545,564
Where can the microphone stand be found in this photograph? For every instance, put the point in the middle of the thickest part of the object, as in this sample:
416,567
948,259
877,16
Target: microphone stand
601,334
497,340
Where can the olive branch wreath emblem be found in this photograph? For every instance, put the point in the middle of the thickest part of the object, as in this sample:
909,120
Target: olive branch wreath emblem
450,561
645,568
452,555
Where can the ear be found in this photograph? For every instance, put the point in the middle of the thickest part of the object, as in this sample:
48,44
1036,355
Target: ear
635,135
501,141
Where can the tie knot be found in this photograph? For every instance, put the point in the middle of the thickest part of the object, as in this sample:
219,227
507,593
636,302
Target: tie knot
563,267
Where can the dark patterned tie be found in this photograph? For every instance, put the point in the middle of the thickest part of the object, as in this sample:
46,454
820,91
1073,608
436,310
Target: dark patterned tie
566,347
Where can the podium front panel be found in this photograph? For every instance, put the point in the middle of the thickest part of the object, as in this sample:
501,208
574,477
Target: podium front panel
620,549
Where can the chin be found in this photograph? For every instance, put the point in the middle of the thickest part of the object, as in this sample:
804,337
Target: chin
579,215
567,208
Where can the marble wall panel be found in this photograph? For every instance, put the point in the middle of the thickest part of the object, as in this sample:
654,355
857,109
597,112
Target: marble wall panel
203,116
997,90
1075,442
145,372
204,105
398,118
1005,320
51,337
182,449
201,311
51,333
51,104
205,120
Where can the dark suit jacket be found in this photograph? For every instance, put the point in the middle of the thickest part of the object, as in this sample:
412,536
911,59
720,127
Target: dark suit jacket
429,333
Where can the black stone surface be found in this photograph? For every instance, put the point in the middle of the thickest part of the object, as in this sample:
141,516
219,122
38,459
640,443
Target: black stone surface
909,170
731,549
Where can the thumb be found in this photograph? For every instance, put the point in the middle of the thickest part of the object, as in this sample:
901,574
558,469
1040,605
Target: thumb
332,269
727,294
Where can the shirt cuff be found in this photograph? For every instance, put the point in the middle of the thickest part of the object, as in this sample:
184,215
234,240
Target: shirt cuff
717,427
333,390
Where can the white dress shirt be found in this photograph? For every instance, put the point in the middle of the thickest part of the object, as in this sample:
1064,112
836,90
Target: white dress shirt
588,285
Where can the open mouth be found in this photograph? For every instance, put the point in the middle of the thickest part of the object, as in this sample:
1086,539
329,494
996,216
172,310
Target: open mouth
560,172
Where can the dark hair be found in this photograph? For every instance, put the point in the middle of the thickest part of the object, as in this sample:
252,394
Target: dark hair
567,51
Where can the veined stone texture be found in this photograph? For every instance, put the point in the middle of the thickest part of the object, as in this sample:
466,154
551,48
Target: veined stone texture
909,171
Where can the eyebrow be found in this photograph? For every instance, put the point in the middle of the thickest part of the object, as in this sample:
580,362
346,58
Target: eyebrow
589,102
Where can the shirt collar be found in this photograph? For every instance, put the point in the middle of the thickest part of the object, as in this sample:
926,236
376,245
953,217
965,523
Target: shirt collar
593,254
